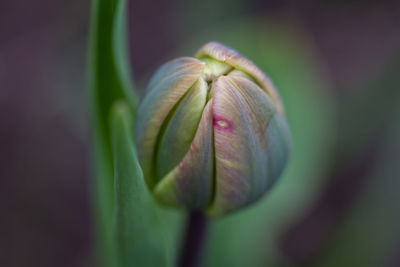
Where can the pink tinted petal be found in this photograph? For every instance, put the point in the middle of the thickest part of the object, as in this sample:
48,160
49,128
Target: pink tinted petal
242,114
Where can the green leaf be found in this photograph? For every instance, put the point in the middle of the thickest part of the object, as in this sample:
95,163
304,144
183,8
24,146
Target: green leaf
110,81
127,231
110,71
141,240
121,53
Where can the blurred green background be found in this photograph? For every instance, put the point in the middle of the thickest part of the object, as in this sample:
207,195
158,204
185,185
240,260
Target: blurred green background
336,64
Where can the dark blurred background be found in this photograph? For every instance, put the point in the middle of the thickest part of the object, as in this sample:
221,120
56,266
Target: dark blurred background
44,122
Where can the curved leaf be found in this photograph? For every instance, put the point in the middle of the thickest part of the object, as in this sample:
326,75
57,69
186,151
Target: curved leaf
140,237
106,87
126,231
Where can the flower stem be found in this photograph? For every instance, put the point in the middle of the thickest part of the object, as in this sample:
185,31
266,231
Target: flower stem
194,242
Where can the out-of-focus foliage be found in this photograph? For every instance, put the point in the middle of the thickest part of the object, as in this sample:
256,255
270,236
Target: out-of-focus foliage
366,113
249,237
369,233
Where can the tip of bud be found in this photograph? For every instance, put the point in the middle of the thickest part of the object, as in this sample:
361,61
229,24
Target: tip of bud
233,58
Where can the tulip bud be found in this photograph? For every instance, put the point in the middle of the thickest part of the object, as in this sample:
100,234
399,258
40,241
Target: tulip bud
211,133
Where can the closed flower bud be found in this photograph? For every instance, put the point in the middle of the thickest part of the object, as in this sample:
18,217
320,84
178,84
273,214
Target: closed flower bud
211,133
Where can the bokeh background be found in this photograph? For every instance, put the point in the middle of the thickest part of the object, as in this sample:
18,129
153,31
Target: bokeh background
337,64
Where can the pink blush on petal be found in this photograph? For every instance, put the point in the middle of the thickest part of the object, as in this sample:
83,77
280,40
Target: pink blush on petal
223,124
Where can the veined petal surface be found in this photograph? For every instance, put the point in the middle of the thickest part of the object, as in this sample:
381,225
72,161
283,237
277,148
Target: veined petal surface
181,129
244,143
166,88
190,184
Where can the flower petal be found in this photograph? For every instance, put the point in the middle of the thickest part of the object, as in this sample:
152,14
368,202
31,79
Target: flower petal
247,134
181,129
190,184
165,89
